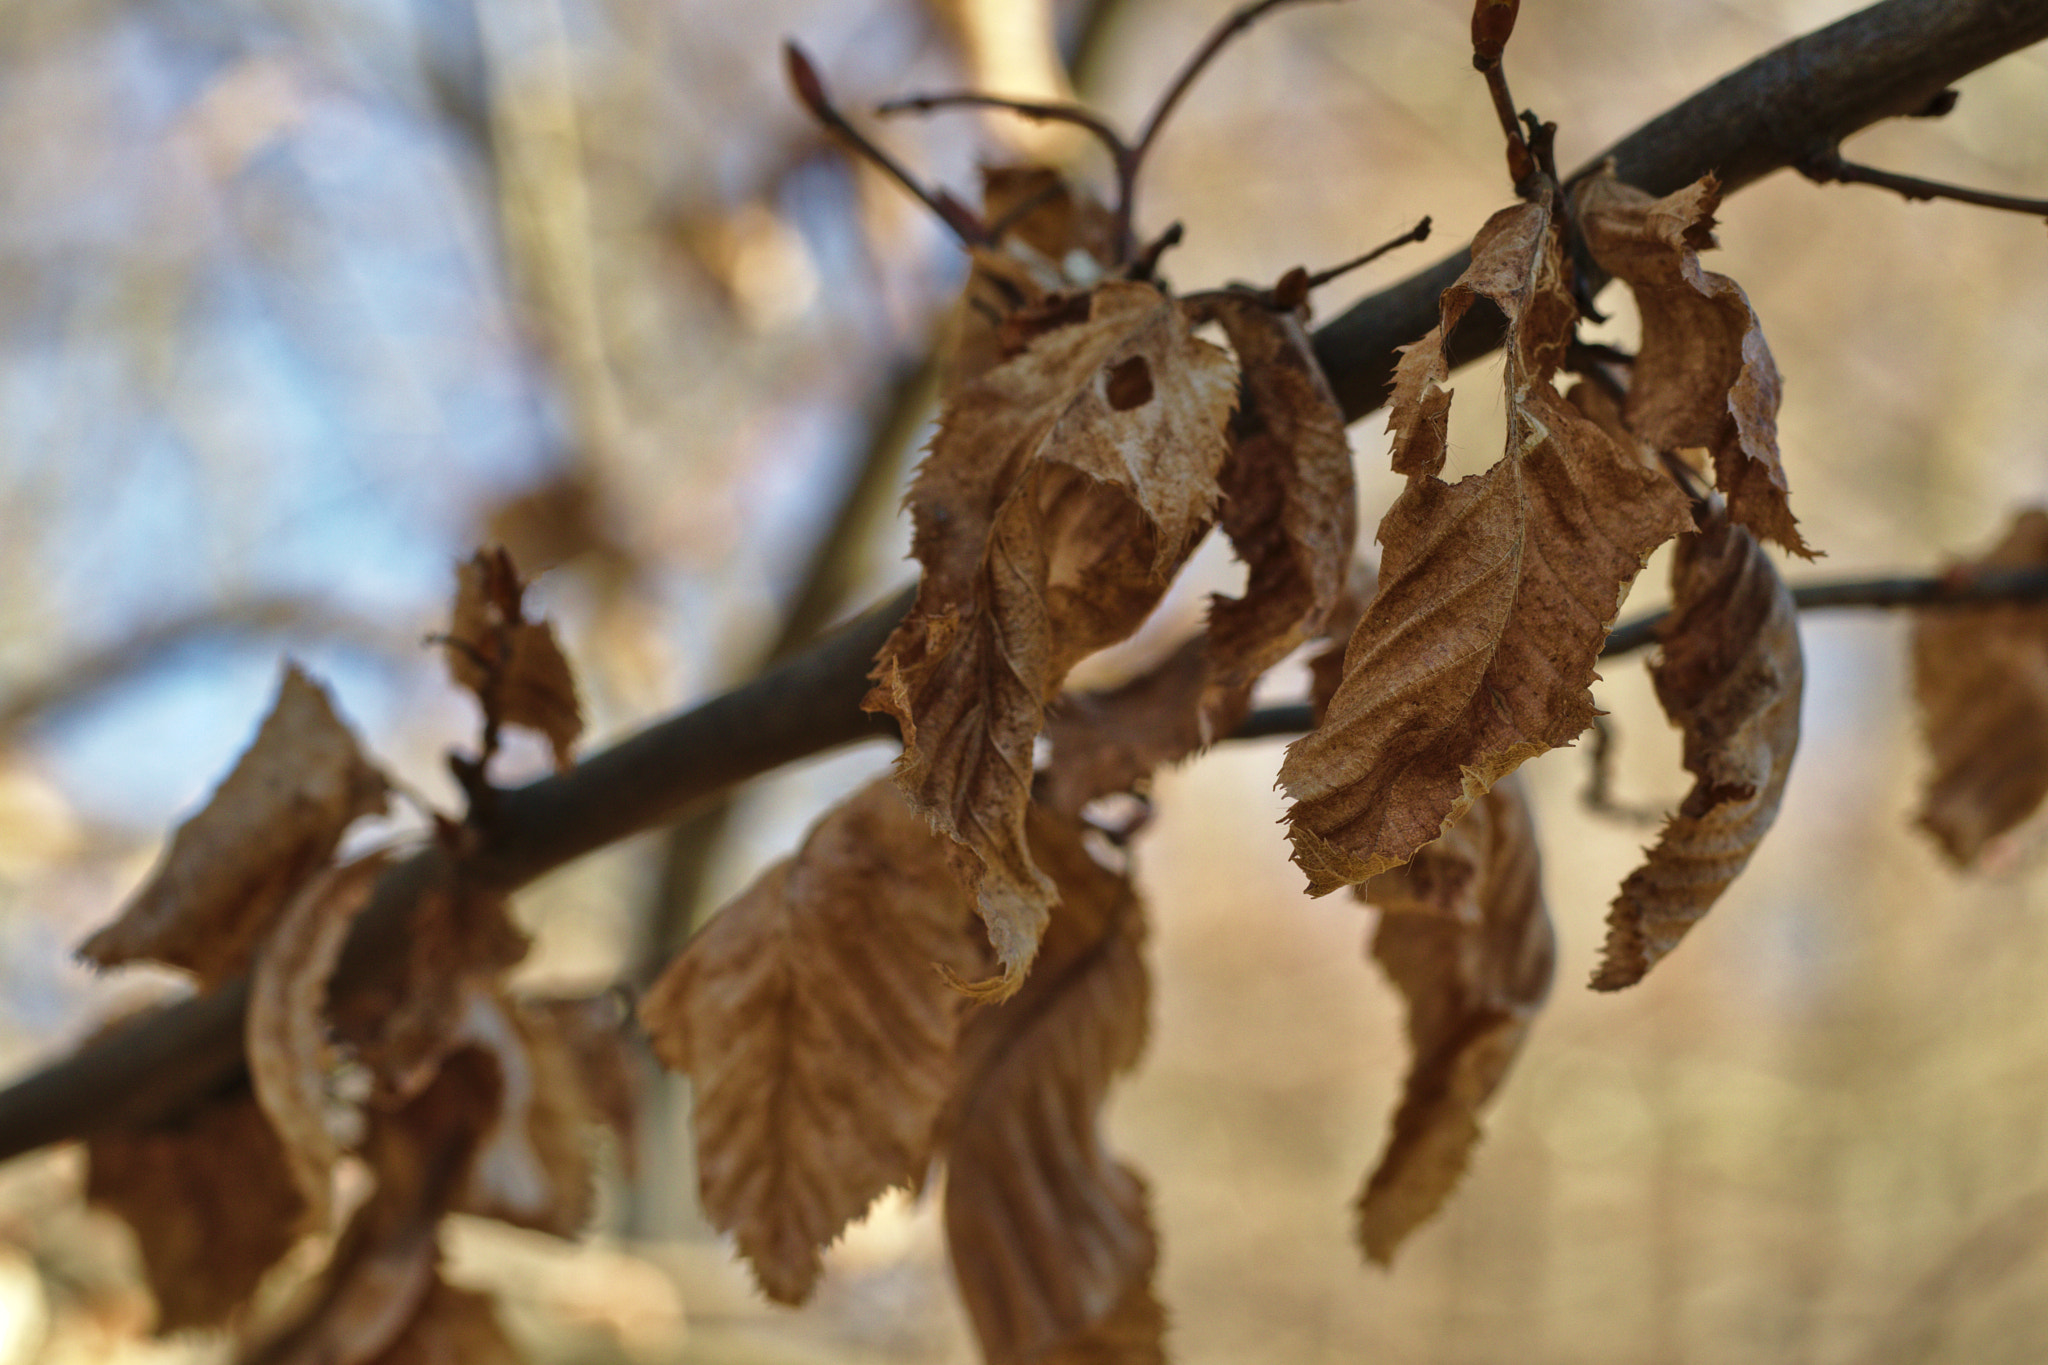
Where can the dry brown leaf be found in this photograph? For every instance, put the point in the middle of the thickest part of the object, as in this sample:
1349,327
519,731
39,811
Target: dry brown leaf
1050,1236
1704,376
1112,740
383,1270
1495,593
1289,502
533,1168
404,1014
1981,675
818,1038
512,664
1465,936
285,1030
1056,238
1731,676
452,1327
212,1201
270,825
607,1065
1064,488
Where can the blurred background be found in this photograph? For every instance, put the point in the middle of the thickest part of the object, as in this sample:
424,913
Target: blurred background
304,300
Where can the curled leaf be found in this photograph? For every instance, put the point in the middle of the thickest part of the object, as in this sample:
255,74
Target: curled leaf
1704,376
1289,502
1495,593
1465,936
1050,1236
533,1168
285,1030
1063,489
1731,675
817,1036
1981,676
273,822
213,1201
513,665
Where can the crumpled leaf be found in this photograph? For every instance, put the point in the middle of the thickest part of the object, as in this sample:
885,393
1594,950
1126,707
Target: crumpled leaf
213,1203
1064,488
230,869
1495,593
1731,675
1113,739
1289,502
1465,936
285,1030
1056,238
1050,1236
1704,376
533,1168
403,1014
1981,676
513,665
606,1065
383,1270
818,1039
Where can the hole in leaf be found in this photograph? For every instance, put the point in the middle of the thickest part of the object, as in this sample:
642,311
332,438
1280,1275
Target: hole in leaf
1130,384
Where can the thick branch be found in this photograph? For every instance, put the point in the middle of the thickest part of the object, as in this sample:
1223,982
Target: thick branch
1891,59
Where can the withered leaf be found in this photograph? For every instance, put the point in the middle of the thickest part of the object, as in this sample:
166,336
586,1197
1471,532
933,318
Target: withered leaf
593,1030
818,1039
285,1030
1111,740
213,1203
404,1013
383,1270
1289,501
1465,937
1981,676
1495,593
1731,675
1063,489
533,1168
1056,238
1704,376
270,825
1050,1236
513,665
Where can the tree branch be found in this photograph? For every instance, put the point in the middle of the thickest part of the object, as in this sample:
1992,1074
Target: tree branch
1894,58
1891,60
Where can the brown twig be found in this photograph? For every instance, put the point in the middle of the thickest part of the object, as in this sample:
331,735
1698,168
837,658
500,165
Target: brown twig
1828,167
1891,60
810,89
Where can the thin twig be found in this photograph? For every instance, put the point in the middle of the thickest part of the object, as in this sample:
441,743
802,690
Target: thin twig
1036,110
810,88
1828,167
1239,20
1418,233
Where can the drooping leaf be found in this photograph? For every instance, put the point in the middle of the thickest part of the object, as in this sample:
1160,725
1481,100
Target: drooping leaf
1704,376
513,665
383,1269
285,1032
270,825
213,1202
1064,488
1050,1236
1981,676
1289,501
1495,593
1465,936
533,1168
818,1038
1731,675
403,1014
